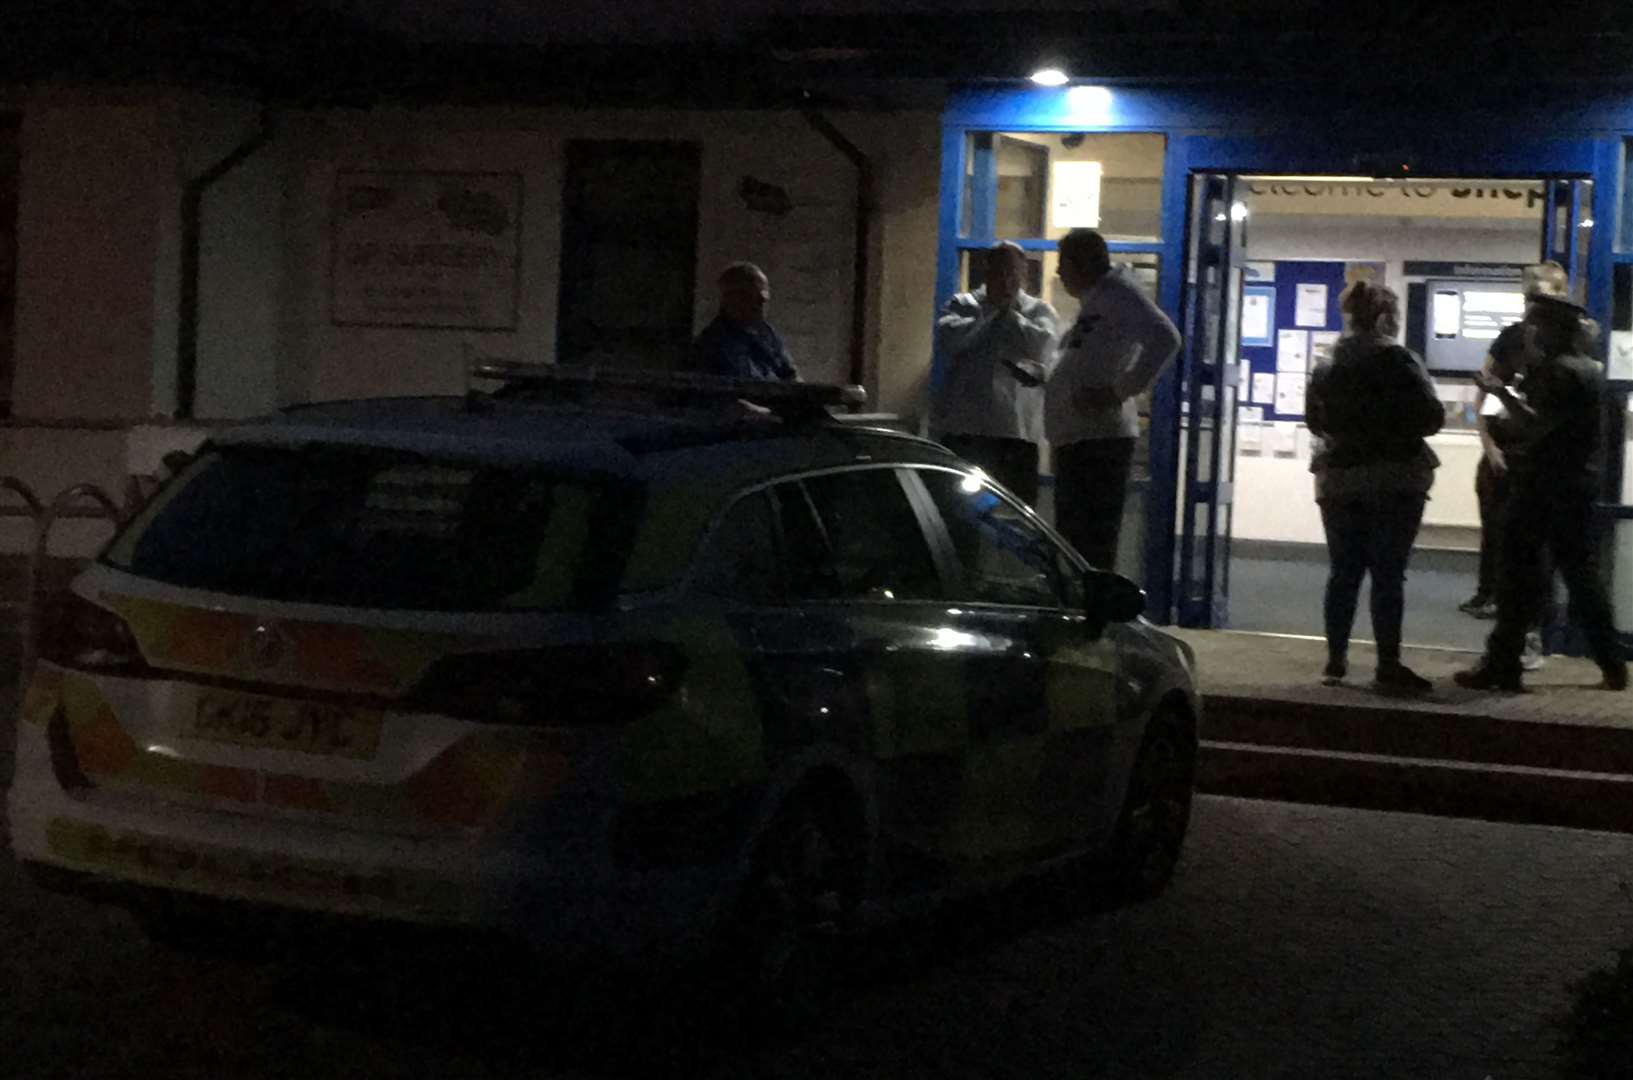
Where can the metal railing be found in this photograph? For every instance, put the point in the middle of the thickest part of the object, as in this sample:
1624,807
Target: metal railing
79,502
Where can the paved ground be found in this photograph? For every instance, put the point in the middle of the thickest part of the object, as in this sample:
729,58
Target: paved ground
1283,596
1289,669
1298,942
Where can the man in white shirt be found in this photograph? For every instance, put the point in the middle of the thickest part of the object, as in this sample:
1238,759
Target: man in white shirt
987,402
1115,350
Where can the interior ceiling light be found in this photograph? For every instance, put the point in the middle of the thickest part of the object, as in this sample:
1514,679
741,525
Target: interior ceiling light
1049,76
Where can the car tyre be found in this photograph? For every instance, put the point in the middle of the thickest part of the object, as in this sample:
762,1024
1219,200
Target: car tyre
797,905
1156,810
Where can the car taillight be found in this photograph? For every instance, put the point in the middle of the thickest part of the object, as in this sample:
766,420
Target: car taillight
570,685
76,633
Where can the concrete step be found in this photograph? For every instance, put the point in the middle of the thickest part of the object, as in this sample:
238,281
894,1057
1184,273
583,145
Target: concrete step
1516,794
1379,729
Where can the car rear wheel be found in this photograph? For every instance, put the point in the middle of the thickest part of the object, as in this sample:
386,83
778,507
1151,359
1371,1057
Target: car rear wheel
797,903
1157,809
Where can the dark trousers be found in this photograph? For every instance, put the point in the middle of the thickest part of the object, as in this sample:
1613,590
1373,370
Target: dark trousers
1091,484
1011,462
1369,536
1491,488
1546,527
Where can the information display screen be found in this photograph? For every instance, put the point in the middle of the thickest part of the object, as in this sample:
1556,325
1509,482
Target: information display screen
1465,317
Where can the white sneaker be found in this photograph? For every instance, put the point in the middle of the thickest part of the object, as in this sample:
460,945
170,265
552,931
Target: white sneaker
1531,659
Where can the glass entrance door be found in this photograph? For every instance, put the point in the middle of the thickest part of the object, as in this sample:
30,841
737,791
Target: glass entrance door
1208,388
1567,225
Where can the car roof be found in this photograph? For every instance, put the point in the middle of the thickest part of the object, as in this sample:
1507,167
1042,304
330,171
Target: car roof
633,440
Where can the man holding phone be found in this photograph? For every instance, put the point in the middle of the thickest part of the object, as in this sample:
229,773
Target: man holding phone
987,396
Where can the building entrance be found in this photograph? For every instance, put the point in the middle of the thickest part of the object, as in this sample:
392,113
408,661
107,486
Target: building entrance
1453,249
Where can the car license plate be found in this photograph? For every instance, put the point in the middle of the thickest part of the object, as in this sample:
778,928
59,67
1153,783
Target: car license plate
309,727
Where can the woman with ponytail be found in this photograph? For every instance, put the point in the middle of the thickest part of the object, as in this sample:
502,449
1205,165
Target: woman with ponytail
1372,407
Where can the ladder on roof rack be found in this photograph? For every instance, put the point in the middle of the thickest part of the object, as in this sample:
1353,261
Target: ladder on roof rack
789,400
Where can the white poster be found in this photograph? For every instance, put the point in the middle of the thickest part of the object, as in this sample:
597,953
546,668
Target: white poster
1256,315
1293,351
1264,388
1311,308
1290,394
430,249
1284,437
1249,428
1621,358
1322,343
1258,273
1075,198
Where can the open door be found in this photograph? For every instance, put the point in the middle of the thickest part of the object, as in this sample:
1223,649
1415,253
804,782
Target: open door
1208,387
1566,226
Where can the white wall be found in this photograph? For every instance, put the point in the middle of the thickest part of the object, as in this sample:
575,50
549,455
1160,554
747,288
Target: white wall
240,261
102,176
807,254
1390,241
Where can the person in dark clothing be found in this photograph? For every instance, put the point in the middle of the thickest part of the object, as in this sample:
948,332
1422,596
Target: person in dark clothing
1372,407
739,343
1553,470
1491,474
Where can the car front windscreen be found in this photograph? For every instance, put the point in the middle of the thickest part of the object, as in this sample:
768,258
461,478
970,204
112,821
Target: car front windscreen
362,527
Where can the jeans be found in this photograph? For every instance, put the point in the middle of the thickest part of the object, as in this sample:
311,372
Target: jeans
1371,535
1545,521
1011,462
1091,485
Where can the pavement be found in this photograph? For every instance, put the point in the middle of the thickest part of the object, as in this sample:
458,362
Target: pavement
1560,754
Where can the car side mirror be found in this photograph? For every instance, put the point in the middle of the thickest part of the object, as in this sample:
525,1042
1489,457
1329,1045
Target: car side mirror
1110,598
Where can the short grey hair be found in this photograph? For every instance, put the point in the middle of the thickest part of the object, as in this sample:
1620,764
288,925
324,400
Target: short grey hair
742,273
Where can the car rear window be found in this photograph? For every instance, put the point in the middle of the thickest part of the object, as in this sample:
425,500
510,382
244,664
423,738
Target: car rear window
364,528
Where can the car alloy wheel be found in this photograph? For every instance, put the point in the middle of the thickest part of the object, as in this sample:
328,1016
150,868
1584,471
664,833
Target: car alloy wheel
802,890
1156,811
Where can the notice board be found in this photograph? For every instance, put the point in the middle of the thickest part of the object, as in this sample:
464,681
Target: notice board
1301,301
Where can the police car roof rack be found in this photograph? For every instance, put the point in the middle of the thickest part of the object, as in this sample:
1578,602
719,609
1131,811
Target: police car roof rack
588,383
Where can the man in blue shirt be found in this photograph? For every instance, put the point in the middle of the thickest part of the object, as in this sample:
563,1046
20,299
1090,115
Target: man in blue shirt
739,343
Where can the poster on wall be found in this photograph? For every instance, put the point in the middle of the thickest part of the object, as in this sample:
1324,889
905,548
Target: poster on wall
1074,201
1249,437
1311,309
1290,395
1293,350
438,250
1258,316
1621,356
1264,388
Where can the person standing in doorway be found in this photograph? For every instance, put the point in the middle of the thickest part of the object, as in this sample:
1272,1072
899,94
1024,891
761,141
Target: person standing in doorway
1497,435
739,343
1553,470
987,404
1372,406
1109,356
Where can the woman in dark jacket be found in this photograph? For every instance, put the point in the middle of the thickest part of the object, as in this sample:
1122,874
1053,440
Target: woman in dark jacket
1372,407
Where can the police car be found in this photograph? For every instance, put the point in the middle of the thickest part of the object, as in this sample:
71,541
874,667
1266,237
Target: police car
593,657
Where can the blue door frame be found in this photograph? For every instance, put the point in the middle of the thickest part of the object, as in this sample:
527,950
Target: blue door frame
1249,136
